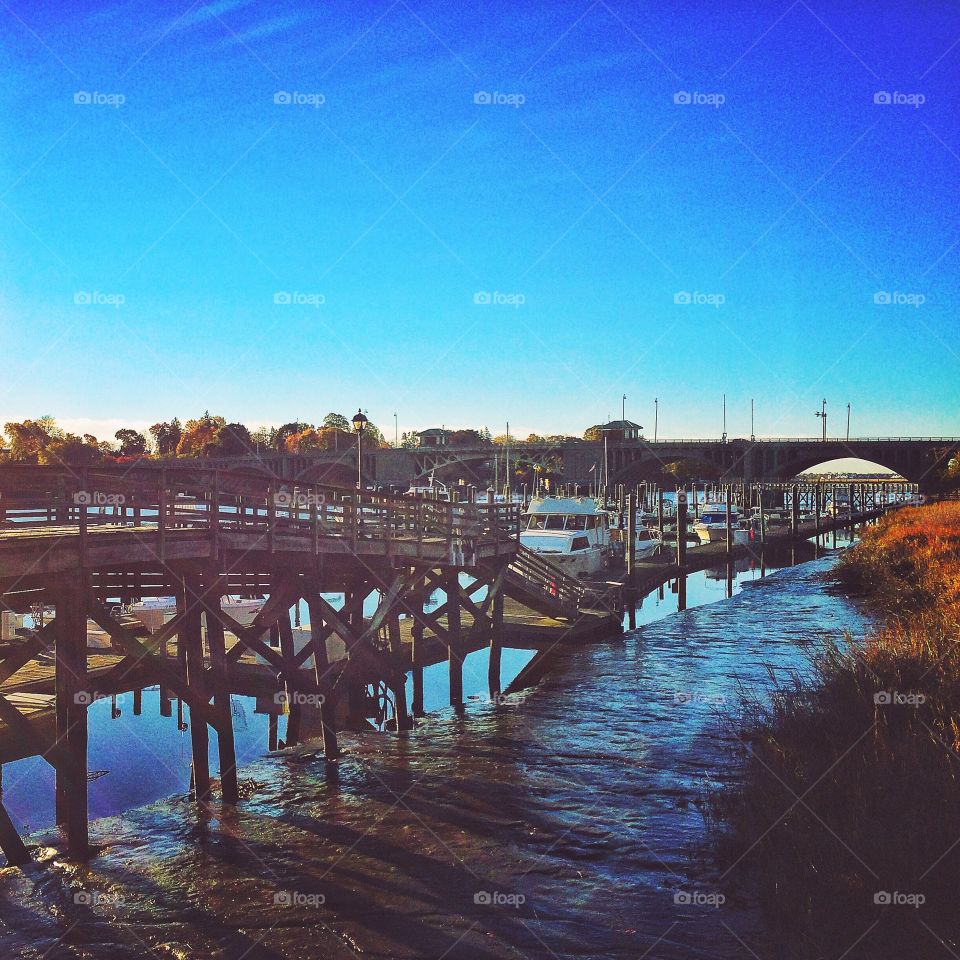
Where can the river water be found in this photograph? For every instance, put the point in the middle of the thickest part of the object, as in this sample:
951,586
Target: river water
565,821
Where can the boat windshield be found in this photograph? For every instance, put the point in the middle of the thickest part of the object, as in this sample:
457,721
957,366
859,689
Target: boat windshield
556,521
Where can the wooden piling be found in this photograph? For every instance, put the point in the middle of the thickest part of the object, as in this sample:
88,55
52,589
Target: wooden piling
73,697
455,650
190,639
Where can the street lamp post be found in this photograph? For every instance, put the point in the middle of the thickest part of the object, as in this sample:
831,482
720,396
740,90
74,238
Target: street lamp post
656,417
359,422
848,423
753,436
396,431
623,411
822,414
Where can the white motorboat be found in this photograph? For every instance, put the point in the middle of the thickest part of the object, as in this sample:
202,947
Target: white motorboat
154,612
712,525
572,532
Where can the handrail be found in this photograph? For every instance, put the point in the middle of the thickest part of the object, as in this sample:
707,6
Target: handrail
553,586
218,501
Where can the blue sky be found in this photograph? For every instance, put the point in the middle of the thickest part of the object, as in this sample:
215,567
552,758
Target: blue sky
382,201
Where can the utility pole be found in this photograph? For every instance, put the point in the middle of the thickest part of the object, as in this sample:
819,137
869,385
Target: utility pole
396,431
848,423
656,414
623,412
753,436
822,414
724,418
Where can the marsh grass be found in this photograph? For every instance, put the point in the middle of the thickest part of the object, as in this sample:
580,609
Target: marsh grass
848,783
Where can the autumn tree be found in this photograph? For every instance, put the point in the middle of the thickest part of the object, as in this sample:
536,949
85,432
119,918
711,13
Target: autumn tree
200,436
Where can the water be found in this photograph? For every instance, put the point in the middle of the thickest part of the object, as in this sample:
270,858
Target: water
565,821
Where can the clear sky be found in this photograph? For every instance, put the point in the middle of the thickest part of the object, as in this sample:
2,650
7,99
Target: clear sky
383,201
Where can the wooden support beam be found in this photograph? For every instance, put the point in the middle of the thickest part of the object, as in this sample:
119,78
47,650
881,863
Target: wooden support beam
404,720
226,746
72,699
455,650
191,642
496,636
290,676
319,631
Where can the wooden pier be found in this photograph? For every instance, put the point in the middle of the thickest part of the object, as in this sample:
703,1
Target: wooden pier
82,545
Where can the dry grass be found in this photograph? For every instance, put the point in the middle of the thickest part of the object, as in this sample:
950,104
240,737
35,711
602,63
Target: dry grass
844,795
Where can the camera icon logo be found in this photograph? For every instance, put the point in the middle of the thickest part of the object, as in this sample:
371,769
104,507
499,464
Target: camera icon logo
82,298
681,96
83,698
283,498
682,297
282,97
882,97
283,899
882,898
882,297
482,898
82,96
482,97
481,297
883,698
83,498
282,297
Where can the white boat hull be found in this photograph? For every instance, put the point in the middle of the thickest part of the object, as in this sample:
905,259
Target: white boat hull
154,615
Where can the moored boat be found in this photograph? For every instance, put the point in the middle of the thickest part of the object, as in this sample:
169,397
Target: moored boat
572,532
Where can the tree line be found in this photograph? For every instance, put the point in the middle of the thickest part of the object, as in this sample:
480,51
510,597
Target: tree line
42,441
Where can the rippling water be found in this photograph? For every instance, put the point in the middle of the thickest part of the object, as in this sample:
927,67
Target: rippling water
563,822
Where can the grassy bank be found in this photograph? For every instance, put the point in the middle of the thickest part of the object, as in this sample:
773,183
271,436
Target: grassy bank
850,788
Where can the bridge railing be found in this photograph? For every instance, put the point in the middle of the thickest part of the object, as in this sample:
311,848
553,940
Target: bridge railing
171,500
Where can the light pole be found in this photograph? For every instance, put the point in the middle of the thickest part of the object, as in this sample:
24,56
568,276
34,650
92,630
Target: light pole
623,411
724,418
848,423
822,414
656,417
359,422
396,431
753,436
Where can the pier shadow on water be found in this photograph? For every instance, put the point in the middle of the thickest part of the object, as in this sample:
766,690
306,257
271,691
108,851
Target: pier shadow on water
564,821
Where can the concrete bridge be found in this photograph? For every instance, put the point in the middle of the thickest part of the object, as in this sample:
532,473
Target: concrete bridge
917,459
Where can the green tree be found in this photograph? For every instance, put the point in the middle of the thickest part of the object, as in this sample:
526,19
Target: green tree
132,443
337,420
593,433
166,437
234,440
